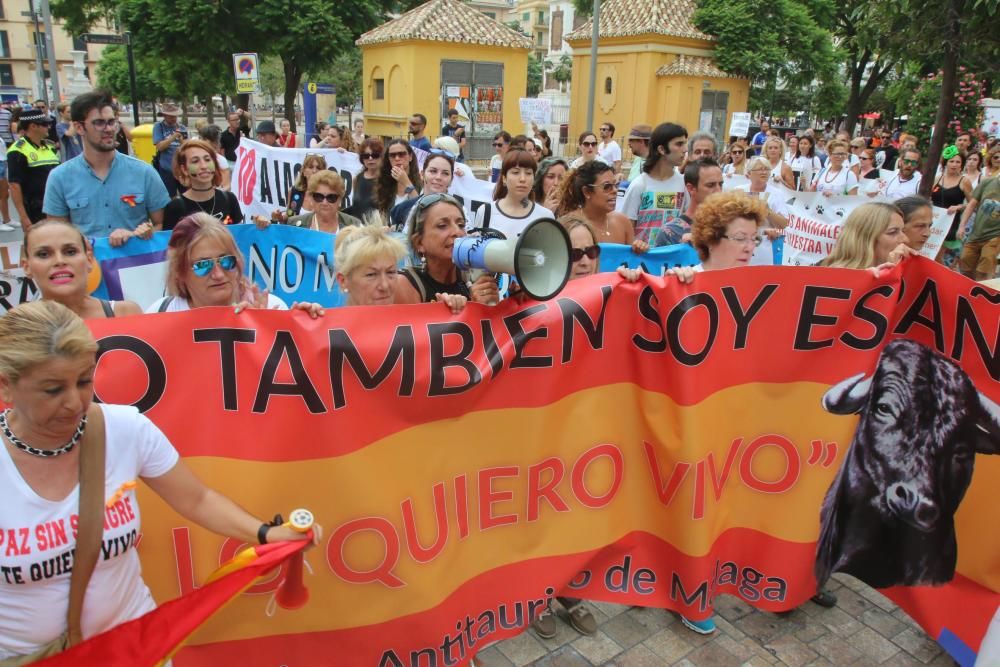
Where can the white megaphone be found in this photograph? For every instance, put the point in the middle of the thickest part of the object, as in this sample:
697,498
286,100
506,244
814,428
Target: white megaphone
538,258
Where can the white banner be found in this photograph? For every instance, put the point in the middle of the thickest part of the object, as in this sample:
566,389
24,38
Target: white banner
739,126
536,110
14,287
815,221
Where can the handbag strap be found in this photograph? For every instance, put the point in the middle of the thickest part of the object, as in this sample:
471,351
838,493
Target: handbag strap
90,533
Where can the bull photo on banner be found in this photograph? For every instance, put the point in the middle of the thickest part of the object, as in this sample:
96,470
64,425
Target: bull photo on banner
646,443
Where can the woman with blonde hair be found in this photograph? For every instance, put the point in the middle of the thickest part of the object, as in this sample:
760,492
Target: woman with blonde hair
774,153
835,178
367,259
325,193
872,238
63,454
205,268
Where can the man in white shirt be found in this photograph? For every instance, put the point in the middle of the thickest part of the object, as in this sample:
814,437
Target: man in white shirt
906,182
609,148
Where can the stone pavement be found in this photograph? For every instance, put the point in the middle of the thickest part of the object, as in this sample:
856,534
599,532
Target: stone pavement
865,628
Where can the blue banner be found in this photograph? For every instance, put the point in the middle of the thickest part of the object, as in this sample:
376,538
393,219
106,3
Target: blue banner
296,264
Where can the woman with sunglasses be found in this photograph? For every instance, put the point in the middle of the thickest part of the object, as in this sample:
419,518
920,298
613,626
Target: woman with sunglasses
439,169
836,178
501,144
738,155
367,260
398,177
804,163
589,195
325,193
196,167
433,225
512,207
992,167
548,179
58,259
205,268
363,195
588,151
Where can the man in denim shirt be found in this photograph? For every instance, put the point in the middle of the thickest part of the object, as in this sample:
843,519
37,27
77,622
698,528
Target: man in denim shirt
102,191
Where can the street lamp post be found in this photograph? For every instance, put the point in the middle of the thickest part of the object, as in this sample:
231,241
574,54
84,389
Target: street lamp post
593,65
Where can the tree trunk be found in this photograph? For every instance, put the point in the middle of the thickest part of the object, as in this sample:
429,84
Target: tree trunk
949,84
293,79
210,109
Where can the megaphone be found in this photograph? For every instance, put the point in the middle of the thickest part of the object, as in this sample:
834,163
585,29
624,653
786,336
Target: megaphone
538,258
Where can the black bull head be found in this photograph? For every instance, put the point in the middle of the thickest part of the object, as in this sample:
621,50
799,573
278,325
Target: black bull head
888,517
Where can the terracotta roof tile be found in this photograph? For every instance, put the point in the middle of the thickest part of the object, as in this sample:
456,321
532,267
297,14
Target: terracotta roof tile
694,66
446,21
627,18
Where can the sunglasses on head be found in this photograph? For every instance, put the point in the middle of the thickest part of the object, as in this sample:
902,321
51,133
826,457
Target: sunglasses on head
591,144
203,267
591,251
330,198
426,201
371,156
605,187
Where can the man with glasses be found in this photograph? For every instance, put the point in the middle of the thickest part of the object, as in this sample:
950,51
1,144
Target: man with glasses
29,162
609,149
102,191
906,182
418,124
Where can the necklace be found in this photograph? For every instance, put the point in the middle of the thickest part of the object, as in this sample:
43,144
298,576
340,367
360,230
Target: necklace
34,451
202,208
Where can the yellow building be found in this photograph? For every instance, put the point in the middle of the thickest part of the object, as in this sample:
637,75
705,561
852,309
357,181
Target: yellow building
441,55
653,66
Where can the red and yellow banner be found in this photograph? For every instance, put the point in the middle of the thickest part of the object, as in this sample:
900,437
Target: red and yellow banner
648,443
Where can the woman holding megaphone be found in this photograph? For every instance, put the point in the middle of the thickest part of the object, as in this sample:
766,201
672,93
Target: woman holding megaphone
57,257
434,223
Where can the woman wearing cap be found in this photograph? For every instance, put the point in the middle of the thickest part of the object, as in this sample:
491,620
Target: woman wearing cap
58,259
325,193
548,179
439,169
205,268
286,138
436,222
196,167
52,430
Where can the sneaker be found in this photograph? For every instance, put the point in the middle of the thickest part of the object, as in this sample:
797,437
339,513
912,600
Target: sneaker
545,625
705,627
825,599
582,620
7,227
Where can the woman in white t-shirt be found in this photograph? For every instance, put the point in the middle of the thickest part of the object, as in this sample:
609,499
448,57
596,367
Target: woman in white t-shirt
774,223
512,208
774,152
836,178
205,268
47,363
804,163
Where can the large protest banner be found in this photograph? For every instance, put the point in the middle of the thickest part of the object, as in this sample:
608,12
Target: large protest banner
815,221
644,443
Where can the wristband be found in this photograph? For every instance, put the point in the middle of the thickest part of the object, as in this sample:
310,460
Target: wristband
264,527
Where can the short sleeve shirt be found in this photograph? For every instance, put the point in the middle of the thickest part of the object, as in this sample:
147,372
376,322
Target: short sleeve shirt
160,132
36,566
987,223
654,204
611,152
123,200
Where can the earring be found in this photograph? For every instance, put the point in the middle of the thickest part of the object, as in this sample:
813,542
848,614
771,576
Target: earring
346,290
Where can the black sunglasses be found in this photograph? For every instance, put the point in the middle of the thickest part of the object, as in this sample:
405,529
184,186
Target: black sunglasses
498,144
588,143
576,254
331,198
371,156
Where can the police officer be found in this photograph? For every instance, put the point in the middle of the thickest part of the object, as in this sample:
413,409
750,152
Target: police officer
29,161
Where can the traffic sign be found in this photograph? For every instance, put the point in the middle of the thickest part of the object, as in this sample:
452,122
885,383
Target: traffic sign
247,73
95,38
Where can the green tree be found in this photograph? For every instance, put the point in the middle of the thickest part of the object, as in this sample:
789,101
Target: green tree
534,75
784,41
345,74
112,75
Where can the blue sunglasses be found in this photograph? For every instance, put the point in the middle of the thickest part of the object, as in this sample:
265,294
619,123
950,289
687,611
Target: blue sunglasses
203,267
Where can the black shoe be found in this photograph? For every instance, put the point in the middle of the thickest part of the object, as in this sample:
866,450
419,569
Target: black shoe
825,599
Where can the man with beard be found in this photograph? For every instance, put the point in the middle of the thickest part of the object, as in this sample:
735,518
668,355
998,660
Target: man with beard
102,191
906,182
